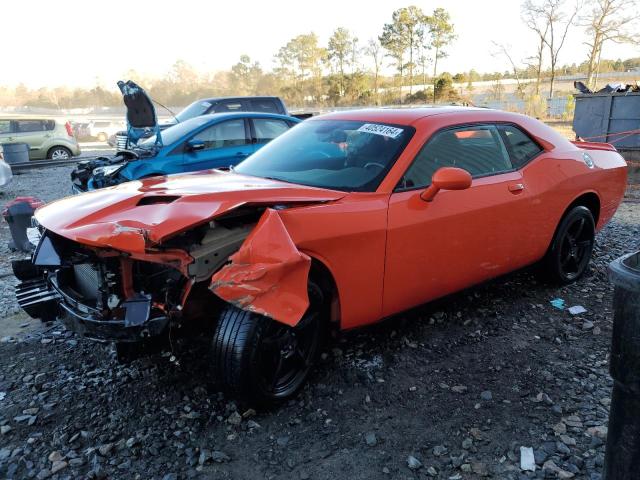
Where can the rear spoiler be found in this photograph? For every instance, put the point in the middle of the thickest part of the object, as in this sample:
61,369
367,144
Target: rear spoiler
594,145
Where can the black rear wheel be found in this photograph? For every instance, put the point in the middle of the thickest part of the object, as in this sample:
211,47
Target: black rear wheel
263,360
570,251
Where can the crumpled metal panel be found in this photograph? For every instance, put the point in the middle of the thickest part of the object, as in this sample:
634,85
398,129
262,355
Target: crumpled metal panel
118,217
268,275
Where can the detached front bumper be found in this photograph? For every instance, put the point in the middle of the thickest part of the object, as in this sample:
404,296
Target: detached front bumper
40,296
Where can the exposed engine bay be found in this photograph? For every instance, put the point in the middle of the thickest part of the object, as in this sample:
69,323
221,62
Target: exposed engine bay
108,295
103,171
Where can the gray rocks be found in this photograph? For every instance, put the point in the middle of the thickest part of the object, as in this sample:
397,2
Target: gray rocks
487,396
413,463
371,439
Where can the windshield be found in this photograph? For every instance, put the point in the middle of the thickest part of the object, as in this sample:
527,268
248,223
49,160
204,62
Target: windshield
338,154
196,109
175,132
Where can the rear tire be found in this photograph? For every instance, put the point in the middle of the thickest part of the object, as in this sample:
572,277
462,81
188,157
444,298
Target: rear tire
59,153
570,251
262,360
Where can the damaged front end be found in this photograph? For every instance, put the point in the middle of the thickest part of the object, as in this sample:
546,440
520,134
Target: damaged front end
110,295
101,294
103,172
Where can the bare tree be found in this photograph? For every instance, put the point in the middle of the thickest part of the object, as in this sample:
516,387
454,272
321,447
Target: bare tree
540,26
502,49
374,50
553,13
608,20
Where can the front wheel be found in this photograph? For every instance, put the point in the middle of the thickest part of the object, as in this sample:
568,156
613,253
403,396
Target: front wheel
263,360
570,251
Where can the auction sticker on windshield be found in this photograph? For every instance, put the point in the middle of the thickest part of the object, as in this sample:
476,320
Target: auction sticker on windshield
384,130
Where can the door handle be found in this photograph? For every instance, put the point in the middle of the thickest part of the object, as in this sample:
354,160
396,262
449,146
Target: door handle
240,154
516,188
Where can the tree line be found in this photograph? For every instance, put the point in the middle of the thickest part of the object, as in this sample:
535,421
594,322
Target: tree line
349,71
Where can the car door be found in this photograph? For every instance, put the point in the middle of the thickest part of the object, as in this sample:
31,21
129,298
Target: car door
460,238
225,144
34,133
263,130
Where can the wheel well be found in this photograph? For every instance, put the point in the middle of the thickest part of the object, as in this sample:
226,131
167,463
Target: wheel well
589,200
323,277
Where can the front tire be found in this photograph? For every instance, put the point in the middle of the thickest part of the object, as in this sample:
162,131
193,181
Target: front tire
262,360
570,251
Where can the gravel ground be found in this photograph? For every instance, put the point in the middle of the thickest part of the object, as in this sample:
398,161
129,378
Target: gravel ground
451,390
47,185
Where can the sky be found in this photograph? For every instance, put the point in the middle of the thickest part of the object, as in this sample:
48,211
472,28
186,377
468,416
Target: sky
81,43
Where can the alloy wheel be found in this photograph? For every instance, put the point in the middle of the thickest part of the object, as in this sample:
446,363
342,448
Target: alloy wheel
575,248
60,154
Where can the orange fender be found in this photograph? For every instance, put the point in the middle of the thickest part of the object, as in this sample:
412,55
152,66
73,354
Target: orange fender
268,274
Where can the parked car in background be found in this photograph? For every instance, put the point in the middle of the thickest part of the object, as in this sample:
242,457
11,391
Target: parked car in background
103,129
229,104
5,171
80,130
342,221
47,138
204,142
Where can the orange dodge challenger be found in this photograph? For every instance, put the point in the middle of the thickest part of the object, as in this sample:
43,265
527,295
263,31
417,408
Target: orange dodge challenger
346,219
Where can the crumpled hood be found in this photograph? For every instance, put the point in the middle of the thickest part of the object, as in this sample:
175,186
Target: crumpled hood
138,214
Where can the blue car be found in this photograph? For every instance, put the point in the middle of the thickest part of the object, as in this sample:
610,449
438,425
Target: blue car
209,141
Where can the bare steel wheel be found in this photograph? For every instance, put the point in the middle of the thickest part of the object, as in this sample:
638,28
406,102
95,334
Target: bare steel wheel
570,251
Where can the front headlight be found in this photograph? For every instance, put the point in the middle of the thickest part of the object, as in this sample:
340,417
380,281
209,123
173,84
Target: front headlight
108,170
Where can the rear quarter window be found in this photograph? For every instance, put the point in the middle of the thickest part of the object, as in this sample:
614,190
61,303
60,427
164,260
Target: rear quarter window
265,105
521,147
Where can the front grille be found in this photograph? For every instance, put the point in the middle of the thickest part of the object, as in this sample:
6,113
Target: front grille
87,280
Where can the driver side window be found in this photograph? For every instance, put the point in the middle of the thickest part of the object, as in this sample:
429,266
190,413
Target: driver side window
230,133
476,149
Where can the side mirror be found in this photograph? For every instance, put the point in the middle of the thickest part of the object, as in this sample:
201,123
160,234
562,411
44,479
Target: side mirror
195,145
446,178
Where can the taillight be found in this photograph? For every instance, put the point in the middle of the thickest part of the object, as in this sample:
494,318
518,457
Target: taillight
69,129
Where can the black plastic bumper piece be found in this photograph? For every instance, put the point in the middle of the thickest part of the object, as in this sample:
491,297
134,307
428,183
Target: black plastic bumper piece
37,299
110,330
89,322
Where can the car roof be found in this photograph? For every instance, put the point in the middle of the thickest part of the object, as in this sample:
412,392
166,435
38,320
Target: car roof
225,115
215,99
400,116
